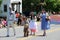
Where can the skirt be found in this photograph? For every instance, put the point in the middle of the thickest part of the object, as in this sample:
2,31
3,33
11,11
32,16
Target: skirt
33,26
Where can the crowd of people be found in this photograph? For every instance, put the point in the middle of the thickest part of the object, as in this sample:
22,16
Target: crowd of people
45,23
29,23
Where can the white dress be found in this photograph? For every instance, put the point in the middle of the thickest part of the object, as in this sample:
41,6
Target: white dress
33,25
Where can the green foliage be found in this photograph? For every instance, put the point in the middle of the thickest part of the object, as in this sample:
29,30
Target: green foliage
52,5
0,2
27,4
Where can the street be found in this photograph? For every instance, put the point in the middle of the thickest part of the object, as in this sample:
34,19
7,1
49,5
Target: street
33,14
52,33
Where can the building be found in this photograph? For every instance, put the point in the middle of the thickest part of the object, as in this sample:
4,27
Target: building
15,4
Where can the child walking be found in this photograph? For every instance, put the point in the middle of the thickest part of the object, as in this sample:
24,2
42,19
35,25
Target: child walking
32,24
26,27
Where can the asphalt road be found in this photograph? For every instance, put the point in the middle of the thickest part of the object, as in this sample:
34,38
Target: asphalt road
52,34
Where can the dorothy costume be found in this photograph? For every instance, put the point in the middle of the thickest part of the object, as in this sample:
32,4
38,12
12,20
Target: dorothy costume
45,24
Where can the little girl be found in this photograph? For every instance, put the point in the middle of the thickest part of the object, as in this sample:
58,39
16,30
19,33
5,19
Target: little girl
26,27
33,25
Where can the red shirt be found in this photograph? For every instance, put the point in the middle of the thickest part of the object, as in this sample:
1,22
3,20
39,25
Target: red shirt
17,15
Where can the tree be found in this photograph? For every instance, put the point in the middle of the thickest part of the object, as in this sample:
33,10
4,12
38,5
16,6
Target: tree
0,2
27,4
51,5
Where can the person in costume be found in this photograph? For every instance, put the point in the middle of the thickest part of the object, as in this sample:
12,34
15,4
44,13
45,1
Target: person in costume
45,21
32,24
26,27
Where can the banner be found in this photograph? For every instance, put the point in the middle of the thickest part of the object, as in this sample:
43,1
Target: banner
55,19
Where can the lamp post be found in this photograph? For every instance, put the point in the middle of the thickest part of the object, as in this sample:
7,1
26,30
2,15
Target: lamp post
19,6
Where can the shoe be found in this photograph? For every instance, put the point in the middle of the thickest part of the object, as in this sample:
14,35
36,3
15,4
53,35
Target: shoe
7,36
44,34
34,34
14,34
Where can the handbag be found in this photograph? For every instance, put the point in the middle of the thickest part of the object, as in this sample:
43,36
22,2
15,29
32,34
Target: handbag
48,18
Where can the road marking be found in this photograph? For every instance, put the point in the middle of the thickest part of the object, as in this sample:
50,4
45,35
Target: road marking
48,31
24,38
53,30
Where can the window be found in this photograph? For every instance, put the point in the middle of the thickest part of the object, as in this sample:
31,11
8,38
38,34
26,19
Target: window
5,8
